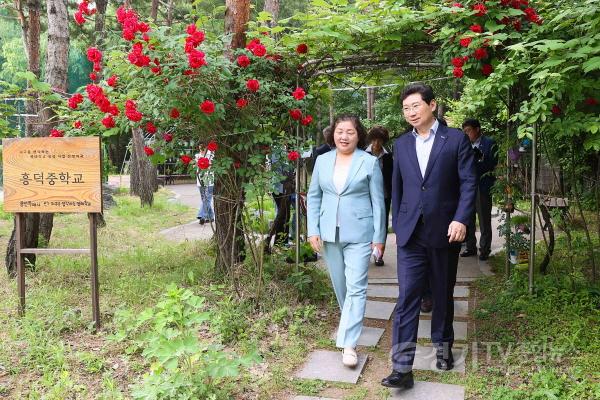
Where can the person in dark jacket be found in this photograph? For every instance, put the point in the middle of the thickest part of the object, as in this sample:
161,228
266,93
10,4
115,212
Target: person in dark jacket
378,137
486,159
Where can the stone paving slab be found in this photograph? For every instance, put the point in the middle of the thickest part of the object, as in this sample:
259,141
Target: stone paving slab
429,391
463,279
311,398
391,291
461,309
327,366
424,332
384,281
368,337
388,271
379,309
425,359
190,231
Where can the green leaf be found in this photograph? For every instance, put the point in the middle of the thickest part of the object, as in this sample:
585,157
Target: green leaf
591,64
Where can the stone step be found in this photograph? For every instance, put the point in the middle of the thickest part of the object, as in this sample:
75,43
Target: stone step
429,391
424,332
311,398
368,337
425,359
327,366
391,291
379,309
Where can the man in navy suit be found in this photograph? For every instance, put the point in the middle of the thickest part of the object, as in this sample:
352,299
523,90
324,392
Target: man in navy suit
433,197
486,159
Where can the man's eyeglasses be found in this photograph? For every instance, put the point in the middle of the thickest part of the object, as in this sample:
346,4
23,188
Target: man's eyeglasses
415,107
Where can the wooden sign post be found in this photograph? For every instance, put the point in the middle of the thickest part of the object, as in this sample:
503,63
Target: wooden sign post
47,175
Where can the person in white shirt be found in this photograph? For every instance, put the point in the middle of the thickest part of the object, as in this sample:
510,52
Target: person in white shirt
205,183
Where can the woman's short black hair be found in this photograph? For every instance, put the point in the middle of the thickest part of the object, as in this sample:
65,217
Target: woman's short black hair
424,90
379,132
360,129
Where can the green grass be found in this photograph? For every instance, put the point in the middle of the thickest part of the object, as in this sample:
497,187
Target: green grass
52,352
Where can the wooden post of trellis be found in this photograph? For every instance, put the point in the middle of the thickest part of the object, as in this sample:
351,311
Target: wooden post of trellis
46,175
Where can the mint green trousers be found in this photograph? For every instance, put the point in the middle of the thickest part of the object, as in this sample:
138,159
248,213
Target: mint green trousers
348,264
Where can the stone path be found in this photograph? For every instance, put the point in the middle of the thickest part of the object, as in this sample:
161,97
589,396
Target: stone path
382,293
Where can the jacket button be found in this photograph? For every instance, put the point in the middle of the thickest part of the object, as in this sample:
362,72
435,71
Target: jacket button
423,188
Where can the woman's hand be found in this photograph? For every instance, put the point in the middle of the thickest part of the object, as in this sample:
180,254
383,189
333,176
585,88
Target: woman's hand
315,243
380,247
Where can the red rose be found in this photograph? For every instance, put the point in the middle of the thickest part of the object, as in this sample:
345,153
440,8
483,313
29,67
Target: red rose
476,28
203,163
94,55
458,62
191,29
148,151
465,42
487,69
143,27
108,122
458,5
505,2
113,110
207,107
590,101
253,85
296,114
97,67
77,124
145,37
293,155
257,48
174,113
556,109
79,18
57,133
480,53
299,93
302,48
212,146
185,159
517,25
112,81
196,58
150,128
307,120
237,164
93,76
243,61
458,72
481,9
128,35
168,137
75,100
241,103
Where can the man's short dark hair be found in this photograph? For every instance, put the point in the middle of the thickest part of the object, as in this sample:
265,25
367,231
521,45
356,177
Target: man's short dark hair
360,129
472,122
379,132
424,90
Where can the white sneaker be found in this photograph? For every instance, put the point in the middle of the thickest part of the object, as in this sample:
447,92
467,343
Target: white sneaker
349,357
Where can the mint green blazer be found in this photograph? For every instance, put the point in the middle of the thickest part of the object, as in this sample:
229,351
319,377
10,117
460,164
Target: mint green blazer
360,204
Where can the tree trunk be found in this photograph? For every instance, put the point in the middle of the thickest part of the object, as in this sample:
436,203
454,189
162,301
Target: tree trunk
154,11
170,12
143,173
272,7
100,22
30,28
229,193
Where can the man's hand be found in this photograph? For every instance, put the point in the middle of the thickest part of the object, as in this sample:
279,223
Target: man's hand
456,232
379,246
315,243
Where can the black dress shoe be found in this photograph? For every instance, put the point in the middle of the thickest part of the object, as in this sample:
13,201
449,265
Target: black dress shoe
484,256
426,305
379,262
399,380
444,364
201,221
468,253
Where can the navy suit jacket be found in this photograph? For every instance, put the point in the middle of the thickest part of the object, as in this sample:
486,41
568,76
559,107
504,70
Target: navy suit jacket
445,194
486,179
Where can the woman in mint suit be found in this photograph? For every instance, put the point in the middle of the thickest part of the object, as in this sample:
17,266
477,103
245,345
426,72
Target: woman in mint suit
346,222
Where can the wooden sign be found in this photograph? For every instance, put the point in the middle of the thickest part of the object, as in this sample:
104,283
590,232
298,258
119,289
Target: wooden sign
52,175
